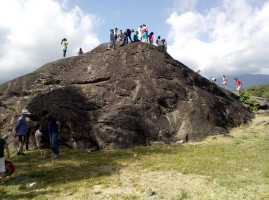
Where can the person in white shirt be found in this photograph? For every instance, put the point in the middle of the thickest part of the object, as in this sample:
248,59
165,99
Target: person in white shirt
140,32
159,42
38,136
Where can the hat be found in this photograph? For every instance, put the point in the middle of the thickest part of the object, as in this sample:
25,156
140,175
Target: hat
163,40
26,112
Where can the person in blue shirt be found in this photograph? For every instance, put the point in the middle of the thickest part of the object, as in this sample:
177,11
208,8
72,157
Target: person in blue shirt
21,130
54,127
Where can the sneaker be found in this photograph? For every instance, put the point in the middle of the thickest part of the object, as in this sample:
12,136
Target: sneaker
56,155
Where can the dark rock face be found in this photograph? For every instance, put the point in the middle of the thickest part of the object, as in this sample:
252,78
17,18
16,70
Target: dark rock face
122,98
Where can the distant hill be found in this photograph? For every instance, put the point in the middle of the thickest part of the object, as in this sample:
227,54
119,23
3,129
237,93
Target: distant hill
246,79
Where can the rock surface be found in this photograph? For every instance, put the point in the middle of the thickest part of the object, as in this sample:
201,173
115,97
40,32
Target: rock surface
122,98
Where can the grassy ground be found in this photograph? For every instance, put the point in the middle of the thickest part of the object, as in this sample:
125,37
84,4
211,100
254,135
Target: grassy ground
235,167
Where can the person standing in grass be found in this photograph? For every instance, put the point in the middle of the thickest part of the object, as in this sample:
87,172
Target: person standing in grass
238,85
54,127
3,146
21,130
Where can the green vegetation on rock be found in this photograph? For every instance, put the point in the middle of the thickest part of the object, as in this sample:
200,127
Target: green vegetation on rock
246,100
258,90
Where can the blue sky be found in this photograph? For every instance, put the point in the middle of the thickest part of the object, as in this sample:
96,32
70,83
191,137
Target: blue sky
215,36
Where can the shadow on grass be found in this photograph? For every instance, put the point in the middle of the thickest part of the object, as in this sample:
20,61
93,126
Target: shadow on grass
73,166
27,195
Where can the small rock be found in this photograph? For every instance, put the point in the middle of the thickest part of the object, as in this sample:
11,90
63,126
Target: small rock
135,155
148,191
180,141
246,169
32,184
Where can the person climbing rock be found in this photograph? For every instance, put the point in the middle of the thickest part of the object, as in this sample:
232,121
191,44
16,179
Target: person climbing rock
140,32
126,35
164,45
64,46
120,36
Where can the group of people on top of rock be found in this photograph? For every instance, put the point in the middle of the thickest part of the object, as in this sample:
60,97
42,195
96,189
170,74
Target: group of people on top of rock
224,83
141,35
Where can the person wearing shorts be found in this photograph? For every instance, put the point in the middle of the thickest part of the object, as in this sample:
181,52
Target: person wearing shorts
3,146
21,130
224,81
144,34
238,85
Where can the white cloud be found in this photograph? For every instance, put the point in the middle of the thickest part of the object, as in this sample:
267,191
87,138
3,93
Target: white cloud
31,32
230,39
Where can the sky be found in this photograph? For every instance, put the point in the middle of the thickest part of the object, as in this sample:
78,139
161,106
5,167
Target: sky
214,36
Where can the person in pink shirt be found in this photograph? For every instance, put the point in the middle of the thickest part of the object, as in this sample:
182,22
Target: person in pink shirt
238,85
151,38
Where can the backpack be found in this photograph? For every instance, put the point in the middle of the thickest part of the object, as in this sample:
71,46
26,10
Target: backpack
9,165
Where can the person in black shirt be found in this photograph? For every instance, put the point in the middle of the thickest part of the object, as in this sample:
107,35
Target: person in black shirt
127,34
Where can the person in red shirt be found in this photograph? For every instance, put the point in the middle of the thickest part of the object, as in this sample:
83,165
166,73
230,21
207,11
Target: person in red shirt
238,85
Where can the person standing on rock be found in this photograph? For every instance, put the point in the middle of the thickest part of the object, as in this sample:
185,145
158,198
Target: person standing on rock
145,33
238,85
120,36
126,35
64,46
140,32
151,38
112,40
21,130
54,127
116,33
164,45
159,42
224,81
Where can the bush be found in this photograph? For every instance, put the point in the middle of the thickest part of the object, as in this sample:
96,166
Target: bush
246,100
258,90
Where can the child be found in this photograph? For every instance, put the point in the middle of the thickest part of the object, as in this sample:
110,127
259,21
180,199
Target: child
80,52
151,38
136,37
120,36
38,135
3,145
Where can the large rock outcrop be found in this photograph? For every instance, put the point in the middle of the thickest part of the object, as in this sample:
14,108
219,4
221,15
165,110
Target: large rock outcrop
122,98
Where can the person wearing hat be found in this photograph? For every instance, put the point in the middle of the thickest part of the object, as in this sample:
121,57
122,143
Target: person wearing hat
21,130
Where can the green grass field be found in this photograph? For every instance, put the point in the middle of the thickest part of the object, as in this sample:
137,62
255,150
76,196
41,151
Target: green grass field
234,167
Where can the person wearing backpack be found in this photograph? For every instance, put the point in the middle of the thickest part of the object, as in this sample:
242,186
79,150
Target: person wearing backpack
145,33
126,35
64,46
